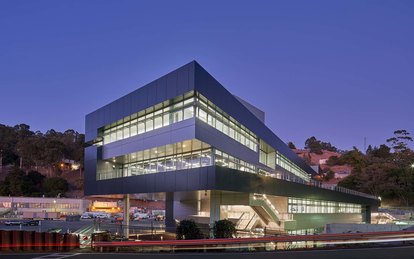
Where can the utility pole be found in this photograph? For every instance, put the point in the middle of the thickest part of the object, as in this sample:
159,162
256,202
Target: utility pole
126,215
365,144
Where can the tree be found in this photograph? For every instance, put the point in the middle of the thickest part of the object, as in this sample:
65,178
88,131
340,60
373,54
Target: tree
400,141
24,142
8,140
382,152
36,180
188,229
313,145
333,160
224,229
369,150
328,175
316,146
54,186
35,149
291,145
352,182
16,183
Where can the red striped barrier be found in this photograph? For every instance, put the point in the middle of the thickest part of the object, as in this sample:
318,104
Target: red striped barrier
277,239
30,240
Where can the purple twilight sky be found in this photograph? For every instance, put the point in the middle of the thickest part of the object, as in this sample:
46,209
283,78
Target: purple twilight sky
338,70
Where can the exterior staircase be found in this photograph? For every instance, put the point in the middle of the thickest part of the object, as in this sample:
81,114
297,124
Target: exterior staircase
268,212
264,208
245,223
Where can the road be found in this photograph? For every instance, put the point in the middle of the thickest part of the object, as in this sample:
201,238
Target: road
361,253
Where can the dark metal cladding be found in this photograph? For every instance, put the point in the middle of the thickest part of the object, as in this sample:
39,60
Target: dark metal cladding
187,78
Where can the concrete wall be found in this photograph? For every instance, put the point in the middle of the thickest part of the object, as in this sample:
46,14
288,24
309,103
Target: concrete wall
280,203
311,220
237,181
353,228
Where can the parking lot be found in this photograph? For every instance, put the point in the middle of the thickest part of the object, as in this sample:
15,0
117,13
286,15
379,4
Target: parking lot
72,226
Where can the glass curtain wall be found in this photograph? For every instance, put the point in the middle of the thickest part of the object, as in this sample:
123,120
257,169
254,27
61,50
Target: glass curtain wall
226,160
185,107
217,118
178,156
270,157
297,205
291,167
157,116
178,109
267,155
182,155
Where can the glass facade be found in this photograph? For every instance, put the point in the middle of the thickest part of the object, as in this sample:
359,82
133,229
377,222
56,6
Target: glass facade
298,205
226,160
181,108
291,167
221,121
270,157
308,231
157,116
193,159
178,109
178,156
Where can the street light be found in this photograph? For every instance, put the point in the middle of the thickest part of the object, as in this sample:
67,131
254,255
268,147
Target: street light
412,165
54,204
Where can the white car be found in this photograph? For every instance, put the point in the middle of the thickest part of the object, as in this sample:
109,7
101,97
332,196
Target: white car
139,215
103,216
86,216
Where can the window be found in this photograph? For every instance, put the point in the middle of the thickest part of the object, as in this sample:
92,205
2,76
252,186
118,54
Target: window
141,127
166,119
149,124
150,119
113,135
177,116
126,132
219,125
211,120
107,138
158,122
225,129
188,112
202,115
231,133
176,110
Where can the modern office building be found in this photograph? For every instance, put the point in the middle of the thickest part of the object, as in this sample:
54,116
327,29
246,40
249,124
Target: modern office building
209,154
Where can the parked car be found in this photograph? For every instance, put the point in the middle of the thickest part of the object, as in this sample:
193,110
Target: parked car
13,223
31,223
117,218
139,215
86,216
103,215
159,217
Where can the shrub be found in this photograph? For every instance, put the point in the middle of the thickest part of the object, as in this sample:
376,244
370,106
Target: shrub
188,229
224,229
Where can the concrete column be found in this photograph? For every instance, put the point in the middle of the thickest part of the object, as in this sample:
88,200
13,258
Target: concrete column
215,199
169,212
126,215
366,216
